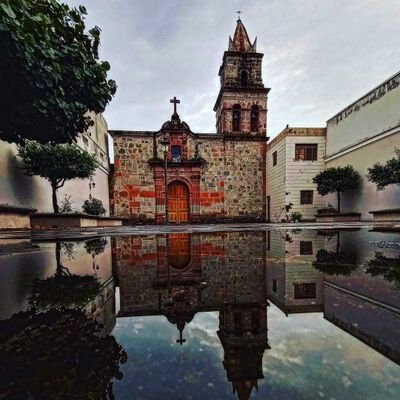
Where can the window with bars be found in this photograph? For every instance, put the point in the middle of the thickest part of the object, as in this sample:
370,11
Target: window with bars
306,248
274,158
306,152
305,290
306,196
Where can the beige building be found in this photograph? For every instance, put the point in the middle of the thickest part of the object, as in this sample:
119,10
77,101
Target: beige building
35,192
365,132
294,157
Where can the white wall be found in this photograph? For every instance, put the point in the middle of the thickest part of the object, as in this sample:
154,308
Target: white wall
19,190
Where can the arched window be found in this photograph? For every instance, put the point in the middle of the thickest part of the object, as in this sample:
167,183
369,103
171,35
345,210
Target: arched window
236,118
244,77
254,119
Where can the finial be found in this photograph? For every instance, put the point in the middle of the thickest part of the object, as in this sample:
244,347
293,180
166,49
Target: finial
238,13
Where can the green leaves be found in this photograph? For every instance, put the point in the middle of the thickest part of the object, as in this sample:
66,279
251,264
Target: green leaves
56,163
49,72
387,174
339,179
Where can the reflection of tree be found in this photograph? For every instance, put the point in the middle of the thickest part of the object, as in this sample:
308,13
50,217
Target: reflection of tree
335,262
63,289
95,246
387,267
57,355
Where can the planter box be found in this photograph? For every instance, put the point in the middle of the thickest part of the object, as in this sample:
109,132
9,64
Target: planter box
338,217
15,217
109,221
388,215
64,220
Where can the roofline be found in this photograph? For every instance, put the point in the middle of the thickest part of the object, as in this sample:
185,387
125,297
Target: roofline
397,74
291,132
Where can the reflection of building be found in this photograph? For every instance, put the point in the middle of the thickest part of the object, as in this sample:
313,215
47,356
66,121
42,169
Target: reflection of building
294,285
205,170
224,272
243,334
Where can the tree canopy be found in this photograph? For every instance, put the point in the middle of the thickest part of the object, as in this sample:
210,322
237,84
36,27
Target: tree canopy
56,163
50,73
337,180
387,174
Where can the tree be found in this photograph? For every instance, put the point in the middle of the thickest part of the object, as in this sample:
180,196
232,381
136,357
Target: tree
337,180
50,73
56,163
387,174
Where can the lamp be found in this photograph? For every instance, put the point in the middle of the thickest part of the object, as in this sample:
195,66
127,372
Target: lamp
165,144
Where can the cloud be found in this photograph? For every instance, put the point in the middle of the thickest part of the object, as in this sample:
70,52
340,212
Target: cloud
319,56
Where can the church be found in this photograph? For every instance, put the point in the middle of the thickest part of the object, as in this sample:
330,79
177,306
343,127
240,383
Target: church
177,175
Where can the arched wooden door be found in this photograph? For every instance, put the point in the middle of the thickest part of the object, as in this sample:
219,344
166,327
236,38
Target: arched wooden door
178,202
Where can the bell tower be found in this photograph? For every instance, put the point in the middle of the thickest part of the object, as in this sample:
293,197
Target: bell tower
241,106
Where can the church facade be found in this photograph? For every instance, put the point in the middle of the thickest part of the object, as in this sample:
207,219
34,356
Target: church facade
206,176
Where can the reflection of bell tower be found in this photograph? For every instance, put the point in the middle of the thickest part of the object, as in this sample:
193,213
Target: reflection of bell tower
243,334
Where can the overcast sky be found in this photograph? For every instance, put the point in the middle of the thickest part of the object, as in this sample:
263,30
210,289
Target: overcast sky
319,55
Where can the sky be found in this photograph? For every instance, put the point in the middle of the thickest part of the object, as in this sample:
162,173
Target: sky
319,56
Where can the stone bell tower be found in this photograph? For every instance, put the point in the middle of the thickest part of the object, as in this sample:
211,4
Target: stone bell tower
241,106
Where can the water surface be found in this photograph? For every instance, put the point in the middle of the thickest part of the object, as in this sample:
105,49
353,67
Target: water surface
280,314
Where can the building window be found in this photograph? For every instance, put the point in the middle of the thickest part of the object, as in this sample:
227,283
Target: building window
306,152
274,285
305,290
176,153
236,118
306,197
306,248
254,119
275,158
244,78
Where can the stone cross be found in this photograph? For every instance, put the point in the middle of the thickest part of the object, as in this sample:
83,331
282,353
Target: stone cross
238,13
175,101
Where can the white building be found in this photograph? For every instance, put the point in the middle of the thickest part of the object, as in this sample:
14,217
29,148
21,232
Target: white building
365,132
294,157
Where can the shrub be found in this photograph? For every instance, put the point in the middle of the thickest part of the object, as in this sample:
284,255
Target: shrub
93,206
66,205
296,216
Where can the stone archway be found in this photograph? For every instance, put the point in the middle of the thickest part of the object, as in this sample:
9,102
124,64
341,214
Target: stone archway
178,202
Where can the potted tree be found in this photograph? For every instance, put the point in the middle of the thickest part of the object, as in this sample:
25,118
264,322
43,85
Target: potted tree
386,175
337,180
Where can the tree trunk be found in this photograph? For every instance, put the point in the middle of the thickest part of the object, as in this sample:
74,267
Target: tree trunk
54,197
338,201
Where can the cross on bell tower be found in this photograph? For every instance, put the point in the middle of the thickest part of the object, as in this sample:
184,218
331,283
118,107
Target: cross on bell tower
175,101
238,13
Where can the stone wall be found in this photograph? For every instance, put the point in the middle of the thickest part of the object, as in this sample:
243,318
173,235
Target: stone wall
232,177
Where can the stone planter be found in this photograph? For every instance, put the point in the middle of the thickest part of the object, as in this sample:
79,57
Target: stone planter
338,217
12,217
73,221
388,215
109,221
63,220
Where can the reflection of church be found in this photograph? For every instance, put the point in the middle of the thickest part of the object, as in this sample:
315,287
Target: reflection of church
178,275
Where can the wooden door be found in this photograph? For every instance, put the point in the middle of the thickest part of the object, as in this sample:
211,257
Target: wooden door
178,202
179,250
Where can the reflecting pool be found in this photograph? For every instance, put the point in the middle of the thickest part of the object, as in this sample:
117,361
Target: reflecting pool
266,314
